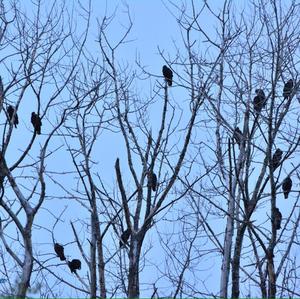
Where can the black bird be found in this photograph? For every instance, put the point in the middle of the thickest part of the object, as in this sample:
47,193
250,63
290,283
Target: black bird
74,265
237,136
168,74
259,100
124,238
287,186
277,218
276,158
10,112
59,249
152,180
36,122
287,89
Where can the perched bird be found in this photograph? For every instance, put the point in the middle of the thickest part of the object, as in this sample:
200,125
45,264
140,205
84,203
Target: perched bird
259,100
152,180
59,250
237,136
74,265
287,186
168,74
287,89
277,218
276,158
124,238
10,112
36,122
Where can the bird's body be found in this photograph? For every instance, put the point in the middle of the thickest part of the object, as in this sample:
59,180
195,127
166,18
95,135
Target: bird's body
277,218
59,250
36,122
168,74
237,136
74,265
152,180
287,186
287,89
276,158
10,112
259,100
124,238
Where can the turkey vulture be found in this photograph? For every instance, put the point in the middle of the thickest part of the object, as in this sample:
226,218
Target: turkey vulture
168,74
124,238
74,265
10,112
276,158
287,89
152,180
237,136
59,249
259,100
36,122
287,186
277,218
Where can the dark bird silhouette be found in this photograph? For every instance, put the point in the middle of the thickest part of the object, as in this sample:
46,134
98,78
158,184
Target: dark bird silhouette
259,100
36,122
287,186
276,158
277,218
10,112
168,74
237,136
287,89
59,250
124,238
152,180
74,265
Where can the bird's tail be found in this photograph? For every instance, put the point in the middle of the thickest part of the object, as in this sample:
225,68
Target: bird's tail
286,195
169,82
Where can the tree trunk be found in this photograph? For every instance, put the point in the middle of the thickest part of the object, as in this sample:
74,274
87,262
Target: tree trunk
236,262
272,278
101,269
101,263
133,277
24,282
228,234
93,283
227,250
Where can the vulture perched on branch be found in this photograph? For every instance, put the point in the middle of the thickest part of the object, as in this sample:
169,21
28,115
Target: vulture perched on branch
59,250
36,122
124,238
152,180
287,89
168,74
277,218
74,265
259,100
10,112
238,136
276,158
287,186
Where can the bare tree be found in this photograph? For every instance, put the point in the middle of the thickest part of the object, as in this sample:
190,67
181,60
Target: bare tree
258,57
34,48
208,153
